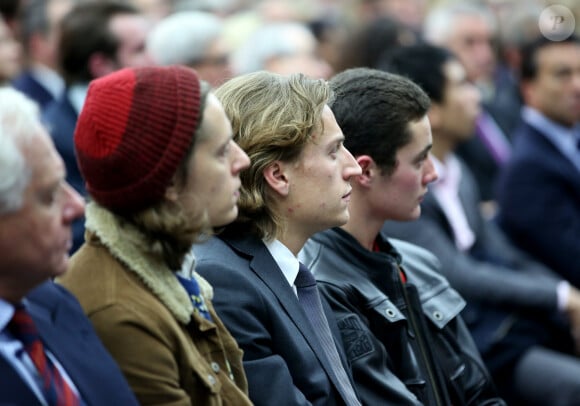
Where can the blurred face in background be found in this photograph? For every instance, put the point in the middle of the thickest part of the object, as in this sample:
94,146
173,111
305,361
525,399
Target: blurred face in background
455,116
410,12
555,91
10,53
44,47
132,31
471,41
303,58
214,67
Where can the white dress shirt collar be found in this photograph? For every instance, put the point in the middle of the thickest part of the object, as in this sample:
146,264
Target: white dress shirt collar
285,260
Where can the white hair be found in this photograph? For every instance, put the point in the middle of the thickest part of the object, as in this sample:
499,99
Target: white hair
184,37
438,26
19,121
270,41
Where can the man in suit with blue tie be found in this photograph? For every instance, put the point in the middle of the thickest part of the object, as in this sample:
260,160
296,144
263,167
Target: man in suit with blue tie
49,352
297,184
539,190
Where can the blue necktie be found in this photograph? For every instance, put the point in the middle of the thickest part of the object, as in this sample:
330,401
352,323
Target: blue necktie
192,288
309,298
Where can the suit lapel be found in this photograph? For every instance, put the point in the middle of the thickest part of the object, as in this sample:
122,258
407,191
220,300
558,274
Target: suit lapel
538,142
266,268
469,198
432,209
14,389
28,84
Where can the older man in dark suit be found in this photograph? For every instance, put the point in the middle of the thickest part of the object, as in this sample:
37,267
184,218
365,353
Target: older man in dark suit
49,353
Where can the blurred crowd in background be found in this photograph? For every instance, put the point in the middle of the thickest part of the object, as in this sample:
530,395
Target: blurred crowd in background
41,55
51,50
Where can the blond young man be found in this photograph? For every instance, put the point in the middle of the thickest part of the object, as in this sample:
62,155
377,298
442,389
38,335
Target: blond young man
298,183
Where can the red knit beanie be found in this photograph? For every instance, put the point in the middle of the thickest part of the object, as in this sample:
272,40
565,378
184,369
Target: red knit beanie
135,128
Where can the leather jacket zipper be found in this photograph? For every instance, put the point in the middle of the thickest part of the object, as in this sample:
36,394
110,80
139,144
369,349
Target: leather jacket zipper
421,342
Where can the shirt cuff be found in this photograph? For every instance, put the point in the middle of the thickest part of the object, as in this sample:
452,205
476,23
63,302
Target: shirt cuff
563,292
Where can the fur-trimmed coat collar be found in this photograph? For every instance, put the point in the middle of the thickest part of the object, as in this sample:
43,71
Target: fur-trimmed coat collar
125,243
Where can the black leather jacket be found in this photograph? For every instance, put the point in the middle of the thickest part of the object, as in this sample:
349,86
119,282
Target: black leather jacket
406,341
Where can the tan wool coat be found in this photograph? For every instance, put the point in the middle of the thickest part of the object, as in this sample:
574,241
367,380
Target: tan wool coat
169,354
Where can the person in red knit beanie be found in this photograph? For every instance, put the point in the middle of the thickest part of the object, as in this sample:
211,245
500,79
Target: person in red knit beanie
156,152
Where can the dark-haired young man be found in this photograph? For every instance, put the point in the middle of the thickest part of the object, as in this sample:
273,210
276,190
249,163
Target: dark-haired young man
518,310
399,318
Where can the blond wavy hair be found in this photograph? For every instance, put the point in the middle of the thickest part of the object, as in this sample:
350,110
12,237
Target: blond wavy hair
273,117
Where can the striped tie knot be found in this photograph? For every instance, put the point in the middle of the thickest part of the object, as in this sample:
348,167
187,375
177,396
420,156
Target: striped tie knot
304,279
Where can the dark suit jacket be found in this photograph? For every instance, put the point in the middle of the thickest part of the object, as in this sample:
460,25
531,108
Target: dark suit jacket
493,275
68,334
28,85
60,118
283,359
539,200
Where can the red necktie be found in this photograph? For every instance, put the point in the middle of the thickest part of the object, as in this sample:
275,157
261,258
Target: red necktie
55,389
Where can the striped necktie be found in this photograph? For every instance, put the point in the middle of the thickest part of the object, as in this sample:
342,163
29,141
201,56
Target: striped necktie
309,298
54,388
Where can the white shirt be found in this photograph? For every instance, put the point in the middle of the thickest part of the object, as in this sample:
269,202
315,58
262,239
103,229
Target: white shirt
285,260
13,351
446,191
77,95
